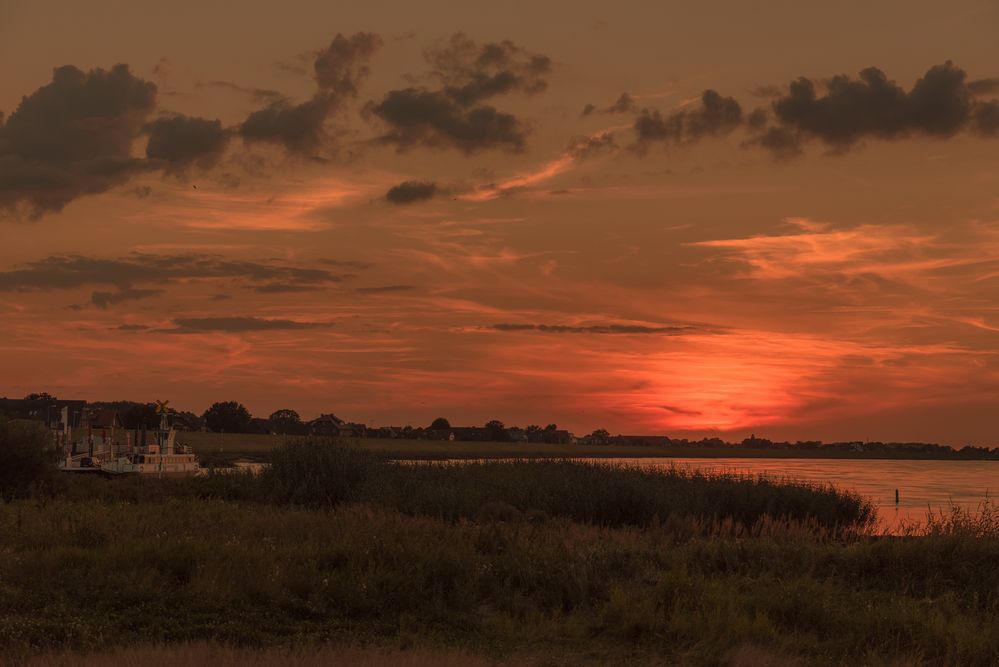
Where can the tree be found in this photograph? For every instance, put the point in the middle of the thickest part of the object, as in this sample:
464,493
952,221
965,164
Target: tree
600,436
27,458
440,423
186,421
228,416
551,427
286,422
43,396
497,431
140,415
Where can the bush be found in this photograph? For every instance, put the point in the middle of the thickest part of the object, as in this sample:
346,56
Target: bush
27,458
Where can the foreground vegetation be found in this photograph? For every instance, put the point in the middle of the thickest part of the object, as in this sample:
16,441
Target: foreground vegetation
549,562
185,570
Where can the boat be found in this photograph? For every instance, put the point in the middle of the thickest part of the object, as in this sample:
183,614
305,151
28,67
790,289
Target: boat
162,457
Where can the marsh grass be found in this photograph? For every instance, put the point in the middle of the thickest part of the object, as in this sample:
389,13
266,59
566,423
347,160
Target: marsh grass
318,473
586,564
252,575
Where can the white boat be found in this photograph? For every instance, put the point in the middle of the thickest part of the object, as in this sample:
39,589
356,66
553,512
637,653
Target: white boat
163,457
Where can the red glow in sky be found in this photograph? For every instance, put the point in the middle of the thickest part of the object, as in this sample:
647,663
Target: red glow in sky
458,213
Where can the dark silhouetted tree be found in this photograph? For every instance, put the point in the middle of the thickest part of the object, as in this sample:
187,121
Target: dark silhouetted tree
600,436
440,423
43,396
140,415
287,422
228,416
27,458
497,431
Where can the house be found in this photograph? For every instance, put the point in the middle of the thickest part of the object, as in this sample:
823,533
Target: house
516,434
45,409
327,425
103,418
641,440
460,433
557,436
331,426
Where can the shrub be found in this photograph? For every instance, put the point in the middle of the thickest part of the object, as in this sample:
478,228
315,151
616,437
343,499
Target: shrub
27,458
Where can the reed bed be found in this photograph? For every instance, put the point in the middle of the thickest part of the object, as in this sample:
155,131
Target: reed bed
546,562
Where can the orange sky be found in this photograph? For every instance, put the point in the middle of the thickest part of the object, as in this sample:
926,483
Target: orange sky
658,263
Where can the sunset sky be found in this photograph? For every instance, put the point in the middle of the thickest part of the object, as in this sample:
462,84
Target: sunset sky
710,218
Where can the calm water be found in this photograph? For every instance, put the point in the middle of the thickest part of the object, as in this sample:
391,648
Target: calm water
922,485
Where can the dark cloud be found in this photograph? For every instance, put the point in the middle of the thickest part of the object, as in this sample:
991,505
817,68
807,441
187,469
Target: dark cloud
338,71
346,263
181,141
384,289
471,73
74,271
848,111
757,119
297,127
624,104
420,117
986,118
983,86
103,300
598,329
290,288
343,65
681,411
72,137
766,90
258,94
409,192
131,327
782,143
587,147
237,325
453,114
715,115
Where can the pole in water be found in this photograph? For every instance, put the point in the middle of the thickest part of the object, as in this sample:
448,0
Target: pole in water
896,496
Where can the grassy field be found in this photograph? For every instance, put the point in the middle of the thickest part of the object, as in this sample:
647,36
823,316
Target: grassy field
218,448
335,555
118,574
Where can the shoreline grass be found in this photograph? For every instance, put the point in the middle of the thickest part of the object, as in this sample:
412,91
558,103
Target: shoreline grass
551,562
182,570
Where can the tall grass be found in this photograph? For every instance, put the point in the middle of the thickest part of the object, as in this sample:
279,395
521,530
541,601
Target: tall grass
185,570
320,473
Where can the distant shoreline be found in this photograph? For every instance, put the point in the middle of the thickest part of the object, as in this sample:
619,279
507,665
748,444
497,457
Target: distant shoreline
216,449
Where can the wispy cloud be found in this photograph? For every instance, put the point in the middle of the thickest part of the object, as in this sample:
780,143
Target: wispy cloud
237,325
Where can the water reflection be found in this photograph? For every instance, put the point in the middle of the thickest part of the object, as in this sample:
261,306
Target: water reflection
922,486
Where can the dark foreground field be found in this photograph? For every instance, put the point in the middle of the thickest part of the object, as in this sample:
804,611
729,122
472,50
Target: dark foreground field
340,557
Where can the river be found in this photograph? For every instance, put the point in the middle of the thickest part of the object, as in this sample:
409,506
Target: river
922,485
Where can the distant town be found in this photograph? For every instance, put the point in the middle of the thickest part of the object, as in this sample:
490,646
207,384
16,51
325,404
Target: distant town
103,417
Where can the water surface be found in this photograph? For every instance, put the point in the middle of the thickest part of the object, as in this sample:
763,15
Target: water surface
923,486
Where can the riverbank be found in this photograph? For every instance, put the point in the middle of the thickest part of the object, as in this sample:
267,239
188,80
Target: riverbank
223,449
331,550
